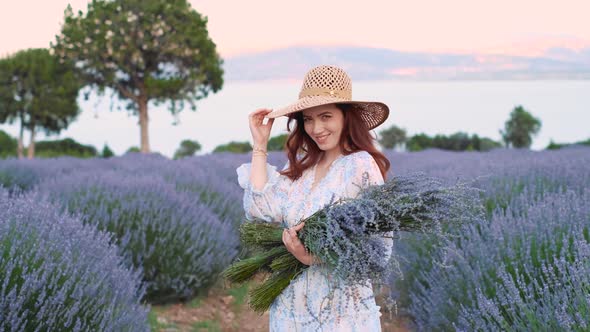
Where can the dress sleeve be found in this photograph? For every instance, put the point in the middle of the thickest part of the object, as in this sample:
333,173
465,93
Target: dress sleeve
362,172
265,204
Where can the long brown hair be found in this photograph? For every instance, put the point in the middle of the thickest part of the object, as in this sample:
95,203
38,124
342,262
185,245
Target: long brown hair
355,137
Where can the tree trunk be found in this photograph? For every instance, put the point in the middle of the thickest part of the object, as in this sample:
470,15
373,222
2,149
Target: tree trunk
31,149
143,123
20,147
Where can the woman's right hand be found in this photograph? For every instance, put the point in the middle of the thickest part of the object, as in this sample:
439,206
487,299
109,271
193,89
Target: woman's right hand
260,132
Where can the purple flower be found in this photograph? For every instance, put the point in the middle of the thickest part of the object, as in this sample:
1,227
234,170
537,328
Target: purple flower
57,274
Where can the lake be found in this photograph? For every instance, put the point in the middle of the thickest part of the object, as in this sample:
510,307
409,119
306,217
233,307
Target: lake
438,107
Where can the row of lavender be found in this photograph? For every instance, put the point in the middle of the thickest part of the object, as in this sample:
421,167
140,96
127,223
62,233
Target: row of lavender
174,225
526,267
57,274
85,242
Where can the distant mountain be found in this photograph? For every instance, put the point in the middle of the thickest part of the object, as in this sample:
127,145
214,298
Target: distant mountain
564,54
384,64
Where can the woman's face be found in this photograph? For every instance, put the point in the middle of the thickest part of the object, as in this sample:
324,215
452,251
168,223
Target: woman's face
324,125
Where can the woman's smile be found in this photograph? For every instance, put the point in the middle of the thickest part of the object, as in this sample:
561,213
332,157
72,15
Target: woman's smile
322,139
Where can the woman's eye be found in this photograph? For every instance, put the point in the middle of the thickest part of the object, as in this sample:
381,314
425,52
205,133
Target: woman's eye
326,116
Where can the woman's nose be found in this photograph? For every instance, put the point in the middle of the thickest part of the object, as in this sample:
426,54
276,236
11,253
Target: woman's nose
317,128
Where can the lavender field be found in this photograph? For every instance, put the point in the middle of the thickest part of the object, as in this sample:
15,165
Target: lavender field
137,230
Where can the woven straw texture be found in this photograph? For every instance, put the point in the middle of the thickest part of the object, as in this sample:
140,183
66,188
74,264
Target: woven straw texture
331,85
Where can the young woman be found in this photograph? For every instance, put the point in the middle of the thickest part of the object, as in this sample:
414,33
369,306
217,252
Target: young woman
330,155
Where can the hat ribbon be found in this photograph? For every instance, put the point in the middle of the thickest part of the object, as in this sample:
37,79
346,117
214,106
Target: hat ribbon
344,94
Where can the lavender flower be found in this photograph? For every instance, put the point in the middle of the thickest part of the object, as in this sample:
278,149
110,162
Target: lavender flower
346,235
524,267
179,243
57,274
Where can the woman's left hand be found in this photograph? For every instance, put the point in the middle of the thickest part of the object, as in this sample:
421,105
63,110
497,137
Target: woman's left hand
294,244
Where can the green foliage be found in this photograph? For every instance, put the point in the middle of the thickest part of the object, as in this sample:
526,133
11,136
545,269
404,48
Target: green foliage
7,145
187,148
392,137
133,149
64,147
144,50
486,144
262,296
554,146
8,103
419,142
519,128
277,143
163,45
38,91
456,142
234,147
245,269
107,152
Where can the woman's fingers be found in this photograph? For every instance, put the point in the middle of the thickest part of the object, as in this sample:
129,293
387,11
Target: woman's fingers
261,110
298,227
260,131
270,122
260,113
293,230
291,241
287,240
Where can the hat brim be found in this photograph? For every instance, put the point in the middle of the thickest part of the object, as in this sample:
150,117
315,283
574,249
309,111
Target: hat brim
373,113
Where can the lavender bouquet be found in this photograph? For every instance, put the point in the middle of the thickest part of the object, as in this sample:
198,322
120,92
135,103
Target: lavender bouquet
345,235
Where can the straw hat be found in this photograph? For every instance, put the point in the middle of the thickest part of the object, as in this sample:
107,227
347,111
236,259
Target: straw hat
331,85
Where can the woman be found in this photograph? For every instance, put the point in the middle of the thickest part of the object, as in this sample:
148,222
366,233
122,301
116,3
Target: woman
330,155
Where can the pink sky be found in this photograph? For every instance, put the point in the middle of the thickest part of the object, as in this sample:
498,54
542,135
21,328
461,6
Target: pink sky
501,26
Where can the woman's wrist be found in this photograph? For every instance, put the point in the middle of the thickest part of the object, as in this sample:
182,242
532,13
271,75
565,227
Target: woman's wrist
259,146
259,150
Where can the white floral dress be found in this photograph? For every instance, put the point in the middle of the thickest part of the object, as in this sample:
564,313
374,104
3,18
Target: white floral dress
314,301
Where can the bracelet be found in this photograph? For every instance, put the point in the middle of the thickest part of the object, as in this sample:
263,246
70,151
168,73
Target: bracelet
259,151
